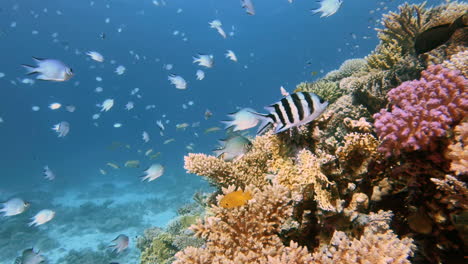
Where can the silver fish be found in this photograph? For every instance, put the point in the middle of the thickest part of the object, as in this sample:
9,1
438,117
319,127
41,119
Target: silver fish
62,128
249,7
49,174
29,256
50,70
234,147
13,207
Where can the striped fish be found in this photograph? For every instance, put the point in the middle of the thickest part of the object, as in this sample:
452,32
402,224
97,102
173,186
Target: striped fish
292,111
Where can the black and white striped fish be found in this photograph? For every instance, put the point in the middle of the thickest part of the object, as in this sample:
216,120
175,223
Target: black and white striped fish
292,111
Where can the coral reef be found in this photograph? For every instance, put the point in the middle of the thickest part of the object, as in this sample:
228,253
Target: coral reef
86,256
457,152
158,245
422,111
325,192
458,61
329,91
246,234
347,68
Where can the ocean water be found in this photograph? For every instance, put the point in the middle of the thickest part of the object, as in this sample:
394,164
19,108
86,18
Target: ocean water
283,44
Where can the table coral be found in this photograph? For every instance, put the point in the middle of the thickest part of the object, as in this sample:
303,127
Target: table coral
422,111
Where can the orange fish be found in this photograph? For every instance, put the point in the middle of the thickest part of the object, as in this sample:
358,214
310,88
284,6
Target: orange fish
235,199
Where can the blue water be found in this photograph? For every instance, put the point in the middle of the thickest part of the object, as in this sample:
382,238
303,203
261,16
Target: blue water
273,48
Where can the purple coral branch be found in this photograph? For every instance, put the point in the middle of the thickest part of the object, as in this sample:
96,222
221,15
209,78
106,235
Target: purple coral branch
422,111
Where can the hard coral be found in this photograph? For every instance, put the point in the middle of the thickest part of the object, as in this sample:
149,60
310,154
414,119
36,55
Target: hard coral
328,90
458,61
358,150
249,169
457,152
422,111
246,234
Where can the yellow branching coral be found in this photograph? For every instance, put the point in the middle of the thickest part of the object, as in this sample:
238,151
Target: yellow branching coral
378,244
309,173
247,234
457,152
358,150
372,247
249,169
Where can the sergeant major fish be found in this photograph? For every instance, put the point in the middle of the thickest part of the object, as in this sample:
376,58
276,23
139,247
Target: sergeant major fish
292,111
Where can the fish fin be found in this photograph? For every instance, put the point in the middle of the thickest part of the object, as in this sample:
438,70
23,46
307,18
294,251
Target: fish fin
37,59
280,129
43,77
143,178
30,69
32,224
315,11
228,123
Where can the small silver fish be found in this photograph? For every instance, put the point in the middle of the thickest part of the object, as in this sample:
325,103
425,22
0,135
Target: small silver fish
120,243
29,256
204,60
14,206
62,128
50,70
48,174
249,7
234,147
153,172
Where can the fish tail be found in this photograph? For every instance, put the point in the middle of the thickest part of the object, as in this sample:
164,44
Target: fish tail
143,178
265,121
227,123
30,69
32,224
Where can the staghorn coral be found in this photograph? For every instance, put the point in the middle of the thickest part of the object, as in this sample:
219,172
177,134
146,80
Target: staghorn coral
422,111
329,91
357,152
457,152
385,57
458,61
247,234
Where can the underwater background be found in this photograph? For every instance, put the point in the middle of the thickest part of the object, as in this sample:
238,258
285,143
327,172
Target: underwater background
94,195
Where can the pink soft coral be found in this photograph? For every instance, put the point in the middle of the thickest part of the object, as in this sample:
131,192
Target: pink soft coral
422,111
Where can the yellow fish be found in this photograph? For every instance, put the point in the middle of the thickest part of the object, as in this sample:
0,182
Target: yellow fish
113,165
212,129
168,141
132,164
235,199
